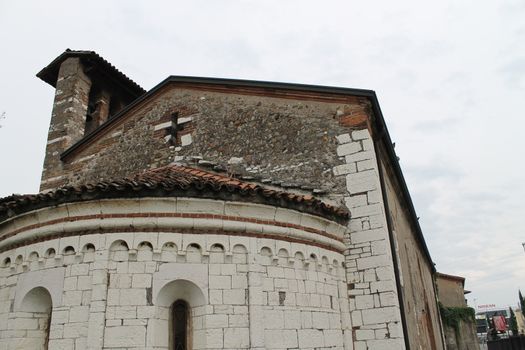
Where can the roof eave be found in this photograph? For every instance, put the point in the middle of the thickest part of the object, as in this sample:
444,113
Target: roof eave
216,81
49,73
383,131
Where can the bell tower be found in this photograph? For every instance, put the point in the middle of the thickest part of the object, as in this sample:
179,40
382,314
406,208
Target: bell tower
88,92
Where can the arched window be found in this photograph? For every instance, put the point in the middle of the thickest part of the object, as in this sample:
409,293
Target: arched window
177,323
180,326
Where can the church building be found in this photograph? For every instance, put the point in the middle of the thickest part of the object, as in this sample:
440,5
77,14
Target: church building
212,213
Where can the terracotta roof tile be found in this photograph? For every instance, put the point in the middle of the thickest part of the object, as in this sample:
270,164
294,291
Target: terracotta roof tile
176,181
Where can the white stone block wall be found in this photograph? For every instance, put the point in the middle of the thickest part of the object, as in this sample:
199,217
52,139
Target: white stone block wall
112,290
373,299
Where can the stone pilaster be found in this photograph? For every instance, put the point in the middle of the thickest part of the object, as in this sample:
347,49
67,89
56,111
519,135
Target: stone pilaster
374,303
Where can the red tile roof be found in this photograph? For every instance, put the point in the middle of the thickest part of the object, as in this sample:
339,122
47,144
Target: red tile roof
173,181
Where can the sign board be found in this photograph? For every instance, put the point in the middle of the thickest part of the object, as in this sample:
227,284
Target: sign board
499,323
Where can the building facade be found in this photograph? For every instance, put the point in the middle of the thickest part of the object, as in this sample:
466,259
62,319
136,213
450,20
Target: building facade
451,295
213,214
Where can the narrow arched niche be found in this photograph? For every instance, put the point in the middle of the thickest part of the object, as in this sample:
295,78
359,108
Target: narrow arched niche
193,253
265,251
169,252
50,253
36,305
324,261
299,260
145,251
217,247
169,246
313,262
89,248
69,250
33,256
265,256
239,254
118,245
145,246
174,312
217,254
119,251
283,255
335,266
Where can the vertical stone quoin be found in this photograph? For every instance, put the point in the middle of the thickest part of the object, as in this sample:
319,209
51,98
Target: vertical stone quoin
68,119
373,300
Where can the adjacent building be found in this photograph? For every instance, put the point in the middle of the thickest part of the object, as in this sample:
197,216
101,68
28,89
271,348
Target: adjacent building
451,295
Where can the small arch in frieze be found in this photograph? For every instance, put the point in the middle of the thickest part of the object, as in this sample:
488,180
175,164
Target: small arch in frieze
240,249
50,253
239,254
217,254
192,247
217,247
118,245
299,256
282,253
88,248
169,246
145,251
19,259
33,256
193,253
69,250
6,262
145,246
119,250
265,251
169,252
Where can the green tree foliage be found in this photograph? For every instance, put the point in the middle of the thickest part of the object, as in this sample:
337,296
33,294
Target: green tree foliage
513,323
452,316
522,303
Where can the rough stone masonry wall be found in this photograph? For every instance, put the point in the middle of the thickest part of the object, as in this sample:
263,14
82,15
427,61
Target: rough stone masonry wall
67,120
374,304
278,140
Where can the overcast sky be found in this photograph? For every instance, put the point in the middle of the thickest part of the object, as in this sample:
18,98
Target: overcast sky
449,74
